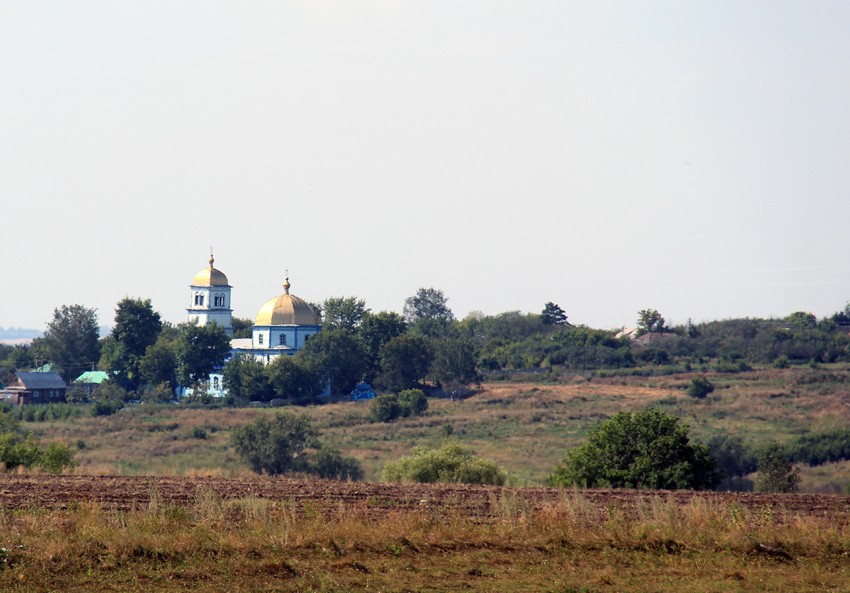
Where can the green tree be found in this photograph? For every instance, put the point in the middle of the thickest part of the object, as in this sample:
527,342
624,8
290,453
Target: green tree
376,330
291,379
775,471
278,444
454,363
242,328
343,312
71,340
428,312
553,315
650,320
159,363
246,378
405,361
338,356
287,443
200,350
451,463
137,327
646,449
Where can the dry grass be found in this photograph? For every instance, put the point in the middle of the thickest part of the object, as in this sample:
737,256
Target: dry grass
570,545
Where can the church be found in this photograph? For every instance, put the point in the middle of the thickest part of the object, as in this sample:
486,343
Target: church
281,327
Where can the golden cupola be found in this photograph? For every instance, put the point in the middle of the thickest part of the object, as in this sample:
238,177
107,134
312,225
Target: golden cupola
210,276
286,309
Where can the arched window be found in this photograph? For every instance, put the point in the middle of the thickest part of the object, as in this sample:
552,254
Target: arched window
215,383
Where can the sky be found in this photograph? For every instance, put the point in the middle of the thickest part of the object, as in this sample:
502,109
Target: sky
609,156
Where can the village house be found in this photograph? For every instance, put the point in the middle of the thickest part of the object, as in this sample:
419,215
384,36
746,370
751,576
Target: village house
34,388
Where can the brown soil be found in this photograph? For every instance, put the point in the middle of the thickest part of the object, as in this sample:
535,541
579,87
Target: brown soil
124,493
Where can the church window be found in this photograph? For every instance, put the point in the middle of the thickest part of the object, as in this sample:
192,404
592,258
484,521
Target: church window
215,383
199,300
283,339
260,339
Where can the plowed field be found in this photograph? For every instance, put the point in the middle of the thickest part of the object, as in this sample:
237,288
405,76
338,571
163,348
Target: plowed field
123,493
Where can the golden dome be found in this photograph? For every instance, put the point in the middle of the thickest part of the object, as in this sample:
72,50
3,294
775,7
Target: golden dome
286,309
210,276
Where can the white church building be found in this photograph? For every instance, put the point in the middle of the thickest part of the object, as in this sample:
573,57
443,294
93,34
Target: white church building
282,325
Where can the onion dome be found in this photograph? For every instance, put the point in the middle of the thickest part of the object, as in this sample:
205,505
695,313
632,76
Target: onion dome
210,276
286,309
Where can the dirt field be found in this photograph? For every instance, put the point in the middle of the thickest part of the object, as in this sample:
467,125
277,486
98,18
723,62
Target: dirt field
124,493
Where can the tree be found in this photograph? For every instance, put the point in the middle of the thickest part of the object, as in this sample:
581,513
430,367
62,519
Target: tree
291,379
405,361
775,471
646,449
200,350
137,327
159,364
428,311
451,463
338,356
71,340
553,315
287,443
242,328
376,330
277,445
454,363
246,378
343,312
650,320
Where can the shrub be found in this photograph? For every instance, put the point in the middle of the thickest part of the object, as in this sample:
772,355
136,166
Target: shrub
647,449
283,443
106,407
388,407
384,408
817,449
329,463
451,463
775,472
56,457
412,402
700,387
199,433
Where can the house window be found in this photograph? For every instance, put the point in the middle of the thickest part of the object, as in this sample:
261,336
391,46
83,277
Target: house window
260,339
282,339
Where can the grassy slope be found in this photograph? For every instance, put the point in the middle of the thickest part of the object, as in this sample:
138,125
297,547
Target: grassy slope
525,427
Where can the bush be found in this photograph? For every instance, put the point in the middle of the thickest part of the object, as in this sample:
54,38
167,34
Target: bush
388,407
647,449
817,449
199,433
106,407
700,387
16,451
329,463
56,457
384,408
451,463
775,472
283,443
412,402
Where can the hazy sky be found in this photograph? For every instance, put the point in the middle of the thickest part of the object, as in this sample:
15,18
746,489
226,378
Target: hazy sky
692,157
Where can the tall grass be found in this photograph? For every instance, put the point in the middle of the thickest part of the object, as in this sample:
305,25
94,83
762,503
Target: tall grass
256,544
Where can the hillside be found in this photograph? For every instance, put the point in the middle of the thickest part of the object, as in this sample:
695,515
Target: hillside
525,427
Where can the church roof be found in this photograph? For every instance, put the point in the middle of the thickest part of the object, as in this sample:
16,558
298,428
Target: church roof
286,309
210,276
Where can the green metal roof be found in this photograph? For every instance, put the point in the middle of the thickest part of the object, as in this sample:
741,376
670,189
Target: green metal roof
96,377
